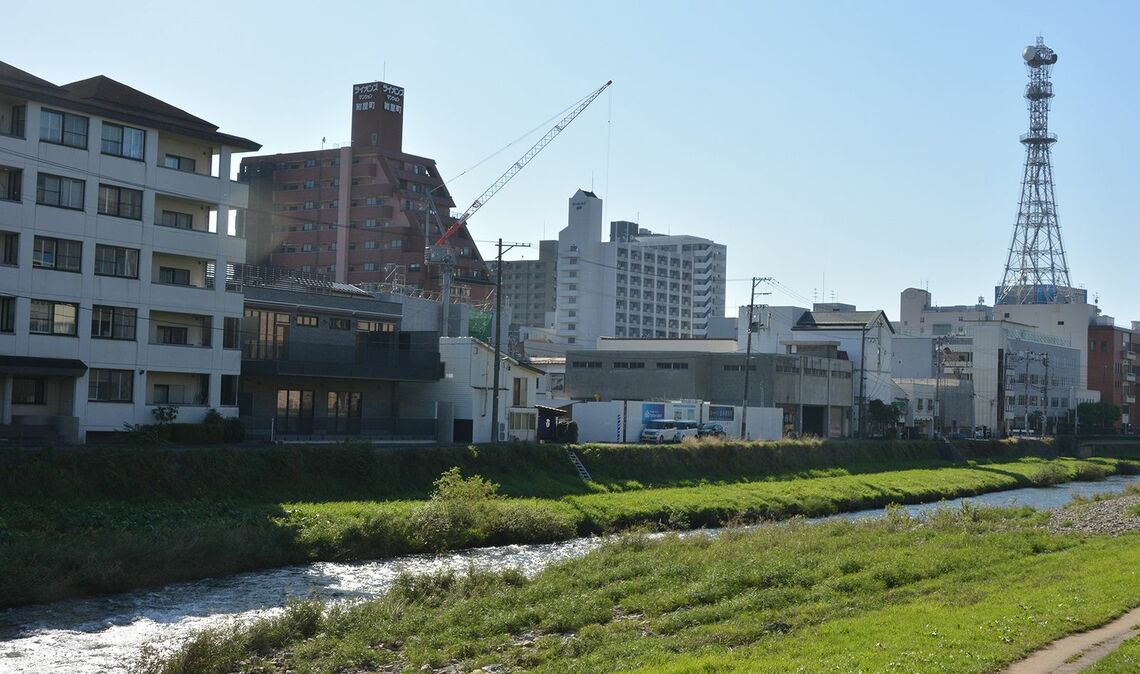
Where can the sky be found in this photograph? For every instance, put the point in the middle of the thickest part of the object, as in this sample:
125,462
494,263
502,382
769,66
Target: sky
848,150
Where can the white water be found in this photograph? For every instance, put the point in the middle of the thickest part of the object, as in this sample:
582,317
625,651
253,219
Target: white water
107,634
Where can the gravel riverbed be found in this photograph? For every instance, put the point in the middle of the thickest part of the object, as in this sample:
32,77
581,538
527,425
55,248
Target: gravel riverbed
1112,516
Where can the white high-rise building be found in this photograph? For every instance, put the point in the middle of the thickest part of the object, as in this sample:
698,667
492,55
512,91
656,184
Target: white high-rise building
116,235
634,285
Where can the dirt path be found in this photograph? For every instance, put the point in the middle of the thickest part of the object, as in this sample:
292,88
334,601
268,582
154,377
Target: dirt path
1078,651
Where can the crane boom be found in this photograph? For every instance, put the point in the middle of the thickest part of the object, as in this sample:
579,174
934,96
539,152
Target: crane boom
520,164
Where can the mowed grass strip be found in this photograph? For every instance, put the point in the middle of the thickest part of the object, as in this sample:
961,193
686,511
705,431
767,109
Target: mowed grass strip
1124,660
963,591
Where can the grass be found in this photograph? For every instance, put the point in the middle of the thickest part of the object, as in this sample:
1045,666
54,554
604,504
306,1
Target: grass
964,591
1124,660
56,549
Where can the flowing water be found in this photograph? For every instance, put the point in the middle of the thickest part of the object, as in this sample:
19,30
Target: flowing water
107,634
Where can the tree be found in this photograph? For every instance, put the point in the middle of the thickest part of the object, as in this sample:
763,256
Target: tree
883,417
1098,416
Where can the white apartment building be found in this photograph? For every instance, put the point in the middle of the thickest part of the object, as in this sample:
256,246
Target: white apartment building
643,285
116,216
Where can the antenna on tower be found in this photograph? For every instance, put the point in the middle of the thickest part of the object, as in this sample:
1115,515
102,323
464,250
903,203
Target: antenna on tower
1036,271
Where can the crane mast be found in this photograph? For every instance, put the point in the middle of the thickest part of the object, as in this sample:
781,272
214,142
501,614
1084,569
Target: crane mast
441,253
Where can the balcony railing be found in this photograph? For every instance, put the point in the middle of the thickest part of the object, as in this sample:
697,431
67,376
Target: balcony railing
395,356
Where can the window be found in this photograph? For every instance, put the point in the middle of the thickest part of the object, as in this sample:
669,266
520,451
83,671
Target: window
177,220
344,411
171,334
59,191
123,141
9,248
369,266
58,254
116,261
53,318
10,181
110,386
63,128
340,324
173,161
294,411
229,390
310,184
375,326
307,321
113,322
19,116
372,201
7,314
120,202
27,391
518,392
180,277
415,266
310,163
369,245
231,334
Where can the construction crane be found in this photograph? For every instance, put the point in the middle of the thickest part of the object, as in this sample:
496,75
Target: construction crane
441,253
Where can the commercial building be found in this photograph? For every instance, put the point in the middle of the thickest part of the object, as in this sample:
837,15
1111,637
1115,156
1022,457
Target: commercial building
360,212
814,388
324,360
1114,353
643,285
1021,377
116,228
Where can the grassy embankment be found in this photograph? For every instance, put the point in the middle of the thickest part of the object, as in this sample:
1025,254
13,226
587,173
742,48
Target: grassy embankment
93,521
965,591
1124,660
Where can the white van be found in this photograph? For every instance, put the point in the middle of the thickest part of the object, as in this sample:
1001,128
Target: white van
667,430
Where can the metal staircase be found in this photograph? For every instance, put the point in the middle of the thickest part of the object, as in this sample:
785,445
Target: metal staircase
578,465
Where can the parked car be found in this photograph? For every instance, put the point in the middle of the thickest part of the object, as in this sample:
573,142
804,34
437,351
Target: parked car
711,431
668,430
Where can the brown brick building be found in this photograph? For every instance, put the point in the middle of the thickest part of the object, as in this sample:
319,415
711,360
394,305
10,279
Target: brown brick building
1114,361
357,213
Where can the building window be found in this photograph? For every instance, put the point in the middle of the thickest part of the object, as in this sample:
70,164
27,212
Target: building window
308,321
294,411
58,191
120,202
173,161
344,411
370,222
53,318
113,322
116,261
11,180
231,333
110,386
174,276
7,314
17,123
369,266
229,390
28,391
369,245
123,141
415,266
375,326
177,220
170,334
340,324
9,248
308,226
63,128
58,254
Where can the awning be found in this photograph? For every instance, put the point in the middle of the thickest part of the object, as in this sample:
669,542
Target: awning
42,367
551,410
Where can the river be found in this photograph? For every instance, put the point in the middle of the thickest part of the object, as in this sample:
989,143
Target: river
107,634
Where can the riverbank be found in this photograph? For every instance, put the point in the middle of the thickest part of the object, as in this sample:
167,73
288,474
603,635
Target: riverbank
967,590
63,548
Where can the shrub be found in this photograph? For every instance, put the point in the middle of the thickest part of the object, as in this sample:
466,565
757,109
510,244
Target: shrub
1047,476
1090,472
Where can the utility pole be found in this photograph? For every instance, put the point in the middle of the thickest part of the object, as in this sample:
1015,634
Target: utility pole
1027,354
1045,395
498,334
748,357
862,381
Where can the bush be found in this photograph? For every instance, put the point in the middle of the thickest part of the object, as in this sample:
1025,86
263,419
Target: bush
1047,476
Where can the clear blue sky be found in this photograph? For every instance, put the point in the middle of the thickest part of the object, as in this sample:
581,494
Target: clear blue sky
873,142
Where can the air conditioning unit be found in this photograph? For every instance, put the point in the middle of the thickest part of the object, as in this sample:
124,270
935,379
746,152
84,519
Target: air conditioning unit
502,431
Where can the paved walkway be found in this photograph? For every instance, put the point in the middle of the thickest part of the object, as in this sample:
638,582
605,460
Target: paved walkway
1076,652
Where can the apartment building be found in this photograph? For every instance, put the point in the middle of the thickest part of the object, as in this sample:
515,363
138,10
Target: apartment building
360,212
529,287
1113,366
643,285
116,228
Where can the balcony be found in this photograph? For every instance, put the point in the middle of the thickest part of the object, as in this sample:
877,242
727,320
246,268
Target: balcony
176,389
393,356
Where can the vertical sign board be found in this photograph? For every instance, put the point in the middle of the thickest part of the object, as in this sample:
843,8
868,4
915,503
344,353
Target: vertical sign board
378,115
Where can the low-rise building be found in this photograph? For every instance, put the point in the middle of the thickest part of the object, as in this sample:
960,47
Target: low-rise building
1114,363
814,389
